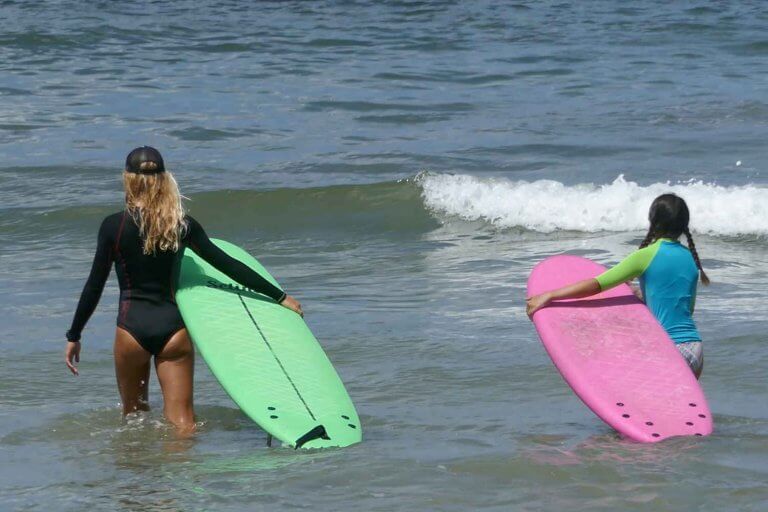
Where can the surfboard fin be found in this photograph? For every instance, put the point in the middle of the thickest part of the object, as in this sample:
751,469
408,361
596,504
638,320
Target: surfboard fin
316,433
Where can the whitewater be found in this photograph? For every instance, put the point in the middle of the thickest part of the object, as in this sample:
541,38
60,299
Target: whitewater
621,205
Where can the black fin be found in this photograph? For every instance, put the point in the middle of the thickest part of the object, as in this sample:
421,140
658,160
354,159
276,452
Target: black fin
316,433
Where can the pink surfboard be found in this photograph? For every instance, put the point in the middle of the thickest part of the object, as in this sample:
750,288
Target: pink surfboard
617,358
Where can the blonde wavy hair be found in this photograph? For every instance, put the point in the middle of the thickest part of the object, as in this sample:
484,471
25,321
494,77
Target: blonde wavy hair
155,203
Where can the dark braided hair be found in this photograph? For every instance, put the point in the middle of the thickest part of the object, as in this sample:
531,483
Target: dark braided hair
649,238
669,218
692,247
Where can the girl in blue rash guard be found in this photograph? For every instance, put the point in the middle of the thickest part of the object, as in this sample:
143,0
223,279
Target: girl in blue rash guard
668,273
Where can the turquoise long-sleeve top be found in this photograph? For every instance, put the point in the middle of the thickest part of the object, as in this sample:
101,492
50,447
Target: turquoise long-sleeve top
668,277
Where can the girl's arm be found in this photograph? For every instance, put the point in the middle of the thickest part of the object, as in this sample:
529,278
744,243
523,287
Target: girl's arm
630,267
585,288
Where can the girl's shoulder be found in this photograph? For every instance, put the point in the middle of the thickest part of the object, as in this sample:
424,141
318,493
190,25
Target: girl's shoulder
640,259
646,253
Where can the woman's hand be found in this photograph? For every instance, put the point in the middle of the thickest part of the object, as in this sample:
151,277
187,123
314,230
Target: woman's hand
292,304
535,303
72,356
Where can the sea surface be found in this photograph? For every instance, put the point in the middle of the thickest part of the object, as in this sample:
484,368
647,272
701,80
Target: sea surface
400,166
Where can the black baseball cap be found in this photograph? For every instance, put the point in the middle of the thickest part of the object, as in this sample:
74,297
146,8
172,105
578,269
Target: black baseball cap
141,155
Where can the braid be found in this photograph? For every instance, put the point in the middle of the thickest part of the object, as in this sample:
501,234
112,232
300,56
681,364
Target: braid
692,247
648,238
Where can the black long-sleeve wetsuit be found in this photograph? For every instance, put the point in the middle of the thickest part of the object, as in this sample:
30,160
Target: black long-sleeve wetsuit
148,308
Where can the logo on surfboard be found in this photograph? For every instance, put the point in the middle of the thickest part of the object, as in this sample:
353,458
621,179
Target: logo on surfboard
227,286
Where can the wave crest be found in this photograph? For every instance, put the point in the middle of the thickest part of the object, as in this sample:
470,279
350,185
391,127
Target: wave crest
547,205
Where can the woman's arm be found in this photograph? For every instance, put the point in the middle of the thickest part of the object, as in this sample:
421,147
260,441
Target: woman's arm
89,298
94,286
202,245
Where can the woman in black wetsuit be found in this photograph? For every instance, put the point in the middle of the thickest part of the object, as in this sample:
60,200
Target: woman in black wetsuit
144,241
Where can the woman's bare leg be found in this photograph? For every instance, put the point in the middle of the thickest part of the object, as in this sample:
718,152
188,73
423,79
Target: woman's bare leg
175,366
132,371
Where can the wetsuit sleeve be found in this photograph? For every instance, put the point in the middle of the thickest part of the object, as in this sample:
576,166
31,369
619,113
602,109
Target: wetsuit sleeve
629,268
199,242
89,298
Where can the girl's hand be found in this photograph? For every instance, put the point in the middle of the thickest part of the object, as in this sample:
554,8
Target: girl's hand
72,355
535,303
292,304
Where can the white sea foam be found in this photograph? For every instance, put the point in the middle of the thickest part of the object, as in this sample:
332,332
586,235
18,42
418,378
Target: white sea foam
622,205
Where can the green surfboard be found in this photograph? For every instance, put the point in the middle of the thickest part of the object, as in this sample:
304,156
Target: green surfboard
265,356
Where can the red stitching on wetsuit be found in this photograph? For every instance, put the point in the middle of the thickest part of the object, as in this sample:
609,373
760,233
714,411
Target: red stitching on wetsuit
175,274
123,316
119,234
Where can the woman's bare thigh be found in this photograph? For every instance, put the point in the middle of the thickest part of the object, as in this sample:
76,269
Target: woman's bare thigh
132,371
175,370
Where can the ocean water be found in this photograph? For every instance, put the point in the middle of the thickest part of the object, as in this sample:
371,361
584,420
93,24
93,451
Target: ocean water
400,167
